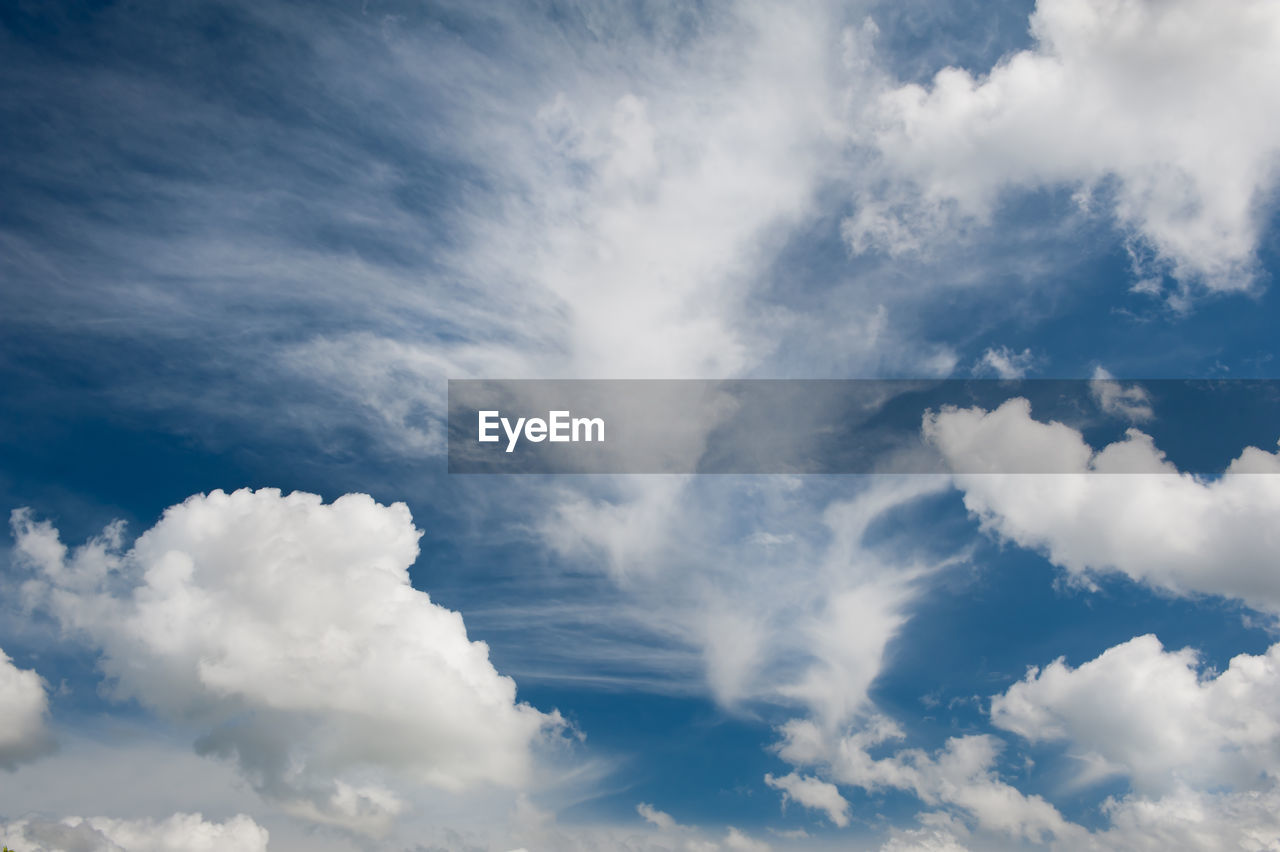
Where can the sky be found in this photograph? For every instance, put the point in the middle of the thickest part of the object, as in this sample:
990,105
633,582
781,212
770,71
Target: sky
244,605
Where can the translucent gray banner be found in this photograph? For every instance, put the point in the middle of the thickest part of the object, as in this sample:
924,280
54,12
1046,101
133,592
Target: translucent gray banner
861,426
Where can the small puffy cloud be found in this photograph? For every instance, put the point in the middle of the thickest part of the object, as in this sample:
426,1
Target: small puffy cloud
24,712
658,818
736,840
1004,363
1159,107
285,631
1150,715
1172,531
178,833
812,793
973,440
961,775
1131,403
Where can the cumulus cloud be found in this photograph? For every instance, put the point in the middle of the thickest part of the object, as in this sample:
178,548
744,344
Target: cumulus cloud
1193,821
1174,804
812,793
1198,748
1175,532
286,632
1157,111
960,775
938,832
178,833
1155,717
24,713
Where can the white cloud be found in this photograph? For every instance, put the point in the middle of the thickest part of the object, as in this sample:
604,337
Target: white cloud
1199,748
923,840
1193,821
178,833
622,531
938,832
286,632
1154,717
1172,531
847,640
679,173
961,775
398,386
695,576
536,829
635,203
1005,440
1161,107
162,777
1132,403
133,766
736,840
1005,363
659,819
593,195
812,793
861,597
24,713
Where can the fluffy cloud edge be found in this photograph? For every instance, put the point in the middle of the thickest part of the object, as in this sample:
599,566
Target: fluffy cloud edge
1123,509
24,715
201,621
181,832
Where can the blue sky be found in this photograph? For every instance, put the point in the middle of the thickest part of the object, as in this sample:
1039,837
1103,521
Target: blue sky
245,245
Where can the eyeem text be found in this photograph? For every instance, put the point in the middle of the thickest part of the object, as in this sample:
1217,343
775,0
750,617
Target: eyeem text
559,426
